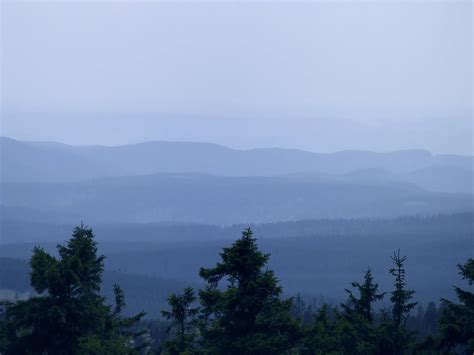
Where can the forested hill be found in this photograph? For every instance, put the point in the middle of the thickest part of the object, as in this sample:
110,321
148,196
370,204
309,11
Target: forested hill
54,162
311,257
219,200
426,228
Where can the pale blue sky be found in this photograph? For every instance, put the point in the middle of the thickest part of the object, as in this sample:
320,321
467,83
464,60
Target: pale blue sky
322,76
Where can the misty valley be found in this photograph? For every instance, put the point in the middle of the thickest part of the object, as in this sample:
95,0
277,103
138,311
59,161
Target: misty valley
236,177
320,233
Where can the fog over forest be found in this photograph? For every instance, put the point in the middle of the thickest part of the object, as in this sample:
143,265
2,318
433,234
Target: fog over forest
236,177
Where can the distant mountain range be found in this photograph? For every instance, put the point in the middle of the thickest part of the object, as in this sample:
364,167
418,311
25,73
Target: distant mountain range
207,183
56,162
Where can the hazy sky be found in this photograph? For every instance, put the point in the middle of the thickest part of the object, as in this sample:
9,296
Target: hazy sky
322,76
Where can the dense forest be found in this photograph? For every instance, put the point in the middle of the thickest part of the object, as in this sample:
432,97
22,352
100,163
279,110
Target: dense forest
240,308
314,258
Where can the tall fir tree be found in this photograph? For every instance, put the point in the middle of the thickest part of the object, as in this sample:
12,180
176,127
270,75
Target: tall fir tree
182,316
355,324
457,319
247,315
399,339
400,297
368,295
69,316
322,336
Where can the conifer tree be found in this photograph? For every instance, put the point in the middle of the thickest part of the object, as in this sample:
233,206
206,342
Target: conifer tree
248,316
182,316
457,319
355,324
401,306
400,297
362,306
69,316
322,336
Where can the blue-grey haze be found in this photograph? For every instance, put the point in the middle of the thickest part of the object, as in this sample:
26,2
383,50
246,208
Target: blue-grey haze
321,76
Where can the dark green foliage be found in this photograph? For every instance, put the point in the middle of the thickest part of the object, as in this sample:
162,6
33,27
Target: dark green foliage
119,299
457,319
399,337
362,306
240,310
144,293
355,323
3,327
426,323
247,316
182,317
68,316
323,336
359,329
400,297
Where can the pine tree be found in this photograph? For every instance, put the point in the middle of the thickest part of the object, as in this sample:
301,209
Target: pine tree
322,336
69,316
457,319
247,316
355,324
182,316
362,306
400,298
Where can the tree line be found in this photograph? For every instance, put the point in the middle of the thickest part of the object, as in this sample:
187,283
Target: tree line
240,310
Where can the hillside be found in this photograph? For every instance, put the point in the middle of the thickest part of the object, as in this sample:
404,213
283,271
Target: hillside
210,199
55,162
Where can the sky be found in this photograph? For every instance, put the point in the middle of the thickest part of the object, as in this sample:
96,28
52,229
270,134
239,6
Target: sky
320,76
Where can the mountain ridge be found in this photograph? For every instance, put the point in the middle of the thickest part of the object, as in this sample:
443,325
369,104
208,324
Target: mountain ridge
52,143
58,162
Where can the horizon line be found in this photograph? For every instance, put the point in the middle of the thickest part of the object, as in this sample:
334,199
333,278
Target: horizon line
419,150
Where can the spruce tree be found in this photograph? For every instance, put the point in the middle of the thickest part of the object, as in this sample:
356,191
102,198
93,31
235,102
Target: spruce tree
69,316
400,338
400,297
457,319
182,315
355,324
322,336
246,314
362,306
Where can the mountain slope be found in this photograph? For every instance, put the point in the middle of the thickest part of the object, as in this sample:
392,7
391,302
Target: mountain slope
220,200
53,162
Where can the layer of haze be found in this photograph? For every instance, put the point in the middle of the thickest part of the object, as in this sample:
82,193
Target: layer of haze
313,75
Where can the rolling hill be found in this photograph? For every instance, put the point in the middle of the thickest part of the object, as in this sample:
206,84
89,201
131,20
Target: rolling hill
55,162
208,199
